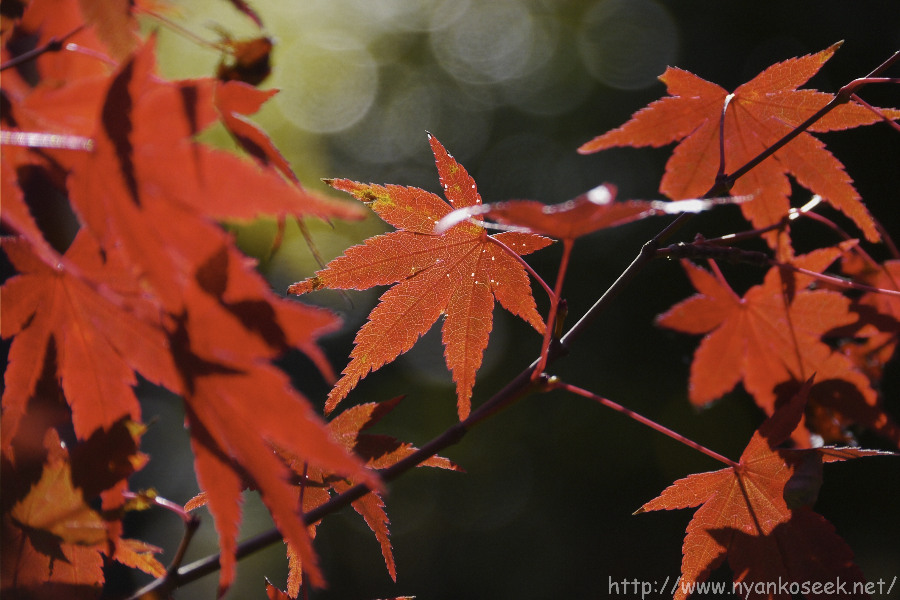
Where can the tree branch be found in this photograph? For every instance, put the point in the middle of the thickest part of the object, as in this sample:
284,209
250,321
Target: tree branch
531,379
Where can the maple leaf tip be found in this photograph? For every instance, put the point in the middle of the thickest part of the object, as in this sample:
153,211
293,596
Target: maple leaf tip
585,148
305,286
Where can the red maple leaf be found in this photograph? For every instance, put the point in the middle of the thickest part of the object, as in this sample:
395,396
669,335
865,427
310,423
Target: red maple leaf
151,263
273,593
315,485
743,515
757,114
458,275
53,539
233,327
379,452
228,323
234,101
771,337
869,343
124,190
93,330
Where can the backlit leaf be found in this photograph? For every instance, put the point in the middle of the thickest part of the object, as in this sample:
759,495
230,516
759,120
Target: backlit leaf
743,516
457,275
758,114
772,338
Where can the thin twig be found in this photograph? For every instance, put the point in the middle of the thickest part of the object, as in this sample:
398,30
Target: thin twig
646,254
53,45
169,581
516,389
753,257
556,384
184,31
877,110
550,330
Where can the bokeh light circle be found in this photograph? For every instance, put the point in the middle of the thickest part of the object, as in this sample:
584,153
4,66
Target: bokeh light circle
489,43
407,106
627,44
330,85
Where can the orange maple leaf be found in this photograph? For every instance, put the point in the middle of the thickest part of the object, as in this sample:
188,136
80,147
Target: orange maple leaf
235,100
458,275
315,485
152,263
869,343
744,515
92,328
273,593
52,537
757,114
772,336
220,417
125,192
379,452
56,506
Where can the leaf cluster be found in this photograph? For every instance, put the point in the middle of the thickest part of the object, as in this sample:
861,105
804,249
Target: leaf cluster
152,287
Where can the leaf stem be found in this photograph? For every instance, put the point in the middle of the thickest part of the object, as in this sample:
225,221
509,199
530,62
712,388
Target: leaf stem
836,281
160,502
556,384
646,254
720,175
170,580
184,31
887,239
875,109
554,307
753,257
39,139
91,53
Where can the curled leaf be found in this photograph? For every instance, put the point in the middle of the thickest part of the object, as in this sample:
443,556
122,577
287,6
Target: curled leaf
594,210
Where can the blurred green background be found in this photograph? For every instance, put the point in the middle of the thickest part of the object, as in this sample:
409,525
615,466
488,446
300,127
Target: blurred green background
512,88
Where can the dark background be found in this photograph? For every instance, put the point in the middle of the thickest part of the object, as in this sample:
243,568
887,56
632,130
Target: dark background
545,508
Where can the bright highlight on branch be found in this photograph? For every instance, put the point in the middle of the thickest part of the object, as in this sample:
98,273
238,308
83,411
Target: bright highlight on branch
595,209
